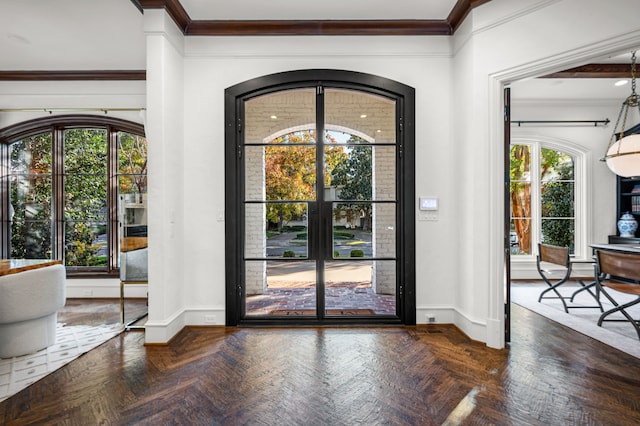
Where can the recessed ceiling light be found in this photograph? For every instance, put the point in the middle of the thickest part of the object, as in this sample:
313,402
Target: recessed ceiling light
273,117
378,131
621,82
363,115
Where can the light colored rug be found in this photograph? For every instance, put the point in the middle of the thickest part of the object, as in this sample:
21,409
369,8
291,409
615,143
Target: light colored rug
19,372
620,335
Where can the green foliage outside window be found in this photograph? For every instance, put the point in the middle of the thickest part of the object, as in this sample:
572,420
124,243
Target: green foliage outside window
85,206
30,194
353,175
85,189
557,200
132,164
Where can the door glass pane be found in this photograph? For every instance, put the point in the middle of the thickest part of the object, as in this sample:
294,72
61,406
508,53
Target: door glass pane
360,172
279,156
290,172
364,230
280,288
30,197
360,183
268,235
269,118
360,288
369,117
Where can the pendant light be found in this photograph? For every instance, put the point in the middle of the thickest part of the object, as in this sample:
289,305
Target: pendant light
623,155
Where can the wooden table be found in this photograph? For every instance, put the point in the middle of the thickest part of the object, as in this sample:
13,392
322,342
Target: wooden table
13,266
132,243
626,248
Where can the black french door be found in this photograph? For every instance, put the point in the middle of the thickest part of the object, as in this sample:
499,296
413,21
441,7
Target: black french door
319,207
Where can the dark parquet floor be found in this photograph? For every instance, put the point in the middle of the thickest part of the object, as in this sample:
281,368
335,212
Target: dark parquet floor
426,375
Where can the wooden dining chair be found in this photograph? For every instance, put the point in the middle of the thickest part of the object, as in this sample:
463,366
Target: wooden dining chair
555,266
618,274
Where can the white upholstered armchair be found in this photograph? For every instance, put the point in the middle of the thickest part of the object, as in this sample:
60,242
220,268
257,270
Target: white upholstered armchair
29,304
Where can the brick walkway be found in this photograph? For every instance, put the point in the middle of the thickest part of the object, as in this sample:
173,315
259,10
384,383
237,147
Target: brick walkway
291,291
347,297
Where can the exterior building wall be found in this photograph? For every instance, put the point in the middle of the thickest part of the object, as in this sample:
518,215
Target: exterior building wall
255,225
384,219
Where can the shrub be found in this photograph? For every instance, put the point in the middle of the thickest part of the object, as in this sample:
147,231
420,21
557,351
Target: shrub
357,253
289,253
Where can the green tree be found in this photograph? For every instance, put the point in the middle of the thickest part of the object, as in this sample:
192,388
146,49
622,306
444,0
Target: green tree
85,208
353,175
557,199
520,196
556,196
30,196
132,163
290,173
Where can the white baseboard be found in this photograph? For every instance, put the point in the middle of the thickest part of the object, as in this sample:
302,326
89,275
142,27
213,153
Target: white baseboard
439,314
102,288
161,332
473,328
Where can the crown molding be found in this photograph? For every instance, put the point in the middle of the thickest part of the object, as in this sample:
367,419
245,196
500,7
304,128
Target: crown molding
401,27
594,71
104,75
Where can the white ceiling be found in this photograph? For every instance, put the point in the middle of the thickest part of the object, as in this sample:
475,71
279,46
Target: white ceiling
70,35
579,89
108,34
313,10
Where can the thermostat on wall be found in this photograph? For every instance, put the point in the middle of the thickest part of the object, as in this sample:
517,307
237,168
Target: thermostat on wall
428,203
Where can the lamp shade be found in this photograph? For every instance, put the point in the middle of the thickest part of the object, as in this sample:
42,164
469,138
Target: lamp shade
623,157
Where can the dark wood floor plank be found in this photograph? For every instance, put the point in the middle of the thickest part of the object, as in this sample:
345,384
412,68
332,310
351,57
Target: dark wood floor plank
549,375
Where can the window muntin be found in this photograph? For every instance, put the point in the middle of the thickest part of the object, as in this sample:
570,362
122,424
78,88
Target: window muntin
543,198
61,186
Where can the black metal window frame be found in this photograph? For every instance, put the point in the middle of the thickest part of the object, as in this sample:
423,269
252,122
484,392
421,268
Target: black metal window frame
56,125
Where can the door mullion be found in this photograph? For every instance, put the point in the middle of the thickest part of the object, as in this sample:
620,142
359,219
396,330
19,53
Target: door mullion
320,227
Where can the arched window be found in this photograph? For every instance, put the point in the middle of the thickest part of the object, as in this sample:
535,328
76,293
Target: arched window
547,196
67,185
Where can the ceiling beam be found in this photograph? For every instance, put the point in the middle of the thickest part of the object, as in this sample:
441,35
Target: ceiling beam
319,27
460,11
173,7
594,71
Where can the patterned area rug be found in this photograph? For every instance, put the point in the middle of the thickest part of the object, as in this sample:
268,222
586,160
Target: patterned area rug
19,372
620,335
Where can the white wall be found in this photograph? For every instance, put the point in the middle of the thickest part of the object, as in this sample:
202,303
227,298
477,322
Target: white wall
70,94
213,64
494,48
458,142
167,190
458,82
